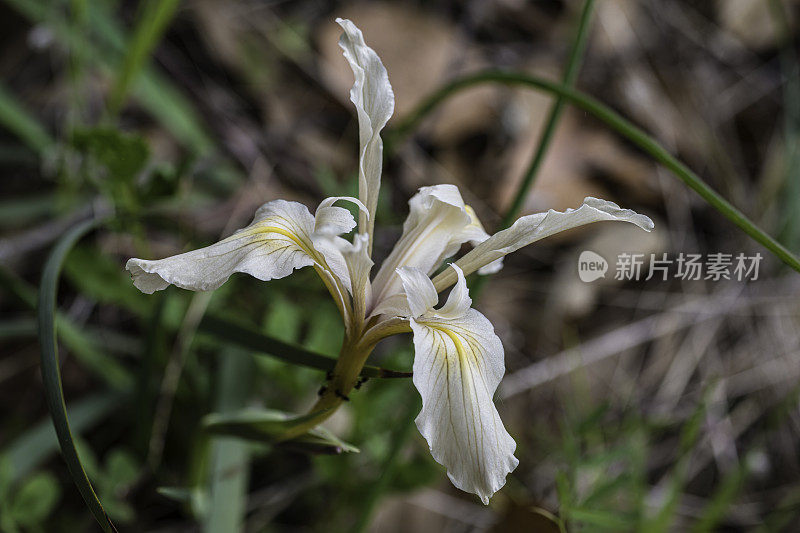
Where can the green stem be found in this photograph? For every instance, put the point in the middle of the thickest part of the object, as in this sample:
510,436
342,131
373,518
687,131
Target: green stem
618,124
528,179
342,379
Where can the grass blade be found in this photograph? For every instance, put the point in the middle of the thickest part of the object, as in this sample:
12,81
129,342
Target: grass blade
155,17
617,123
17,120
230,457
157,95
568,80
528,179
260,425
54,392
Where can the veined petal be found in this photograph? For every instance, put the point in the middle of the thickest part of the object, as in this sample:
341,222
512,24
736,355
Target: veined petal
531,228
458,364
374,100
276,242
438,224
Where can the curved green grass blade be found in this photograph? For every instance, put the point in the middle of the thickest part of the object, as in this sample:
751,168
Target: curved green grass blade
617,123
528,179
54,392
568,79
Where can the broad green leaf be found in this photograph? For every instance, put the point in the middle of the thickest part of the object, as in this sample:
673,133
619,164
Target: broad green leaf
36,499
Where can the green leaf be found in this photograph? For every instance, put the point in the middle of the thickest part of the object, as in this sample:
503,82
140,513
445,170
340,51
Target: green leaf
122,468
259,425
601,520
101,278
122,154
320,441
154,19
196,498
616,122
36,499
34,446
229,462
6,477
54,393
250,339
19,121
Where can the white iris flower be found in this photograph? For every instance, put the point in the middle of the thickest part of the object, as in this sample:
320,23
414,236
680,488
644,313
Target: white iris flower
458,360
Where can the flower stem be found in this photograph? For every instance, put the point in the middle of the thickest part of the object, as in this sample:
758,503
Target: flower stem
618,124
342,379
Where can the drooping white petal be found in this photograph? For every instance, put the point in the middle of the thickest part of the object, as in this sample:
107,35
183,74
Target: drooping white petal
531,228
275,243
458,364
374,100
335,220
438,224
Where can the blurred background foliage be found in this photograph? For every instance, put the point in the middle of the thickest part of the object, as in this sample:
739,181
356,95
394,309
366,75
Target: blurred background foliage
637,406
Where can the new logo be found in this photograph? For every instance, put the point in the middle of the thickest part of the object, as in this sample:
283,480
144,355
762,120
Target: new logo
591,266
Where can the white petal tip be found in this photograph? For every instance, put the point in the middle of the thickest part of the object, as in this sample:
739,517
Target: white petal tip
147,282
627,215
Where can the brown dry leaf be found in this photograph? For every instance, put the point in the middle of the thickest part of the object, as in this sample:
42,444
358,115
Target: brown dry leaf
415,47
577,163
616,21
752,21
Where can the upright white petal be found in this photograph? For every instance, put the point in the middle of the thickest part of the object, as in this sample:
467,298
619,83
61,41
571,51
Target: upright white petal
438,224
374,100
359,265
458,301
531,228
276,242
458,363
